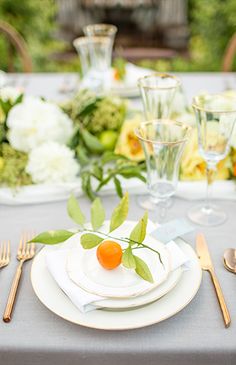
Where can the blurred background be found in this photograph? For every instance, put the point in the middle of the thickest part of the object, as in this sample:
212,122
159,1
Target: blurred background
166,35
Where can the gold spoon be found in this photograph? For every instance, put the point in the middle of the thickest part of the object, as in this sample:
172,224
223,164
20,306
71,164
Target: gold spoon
230,259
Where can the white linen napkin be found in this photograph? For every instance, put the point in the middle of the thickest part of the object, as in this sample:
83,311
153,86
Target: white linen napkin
56,264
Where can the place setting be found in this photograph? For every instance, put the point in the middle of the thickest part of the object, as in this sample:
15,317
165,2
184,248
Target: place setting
109,281
110,272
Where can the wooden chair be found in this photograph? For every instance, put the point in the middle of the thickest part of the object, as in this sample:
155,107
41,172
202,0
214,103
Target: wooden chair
16,41
229,54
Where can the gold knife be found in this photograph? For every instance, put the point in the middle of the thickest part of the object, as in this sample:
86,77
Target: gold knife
206,264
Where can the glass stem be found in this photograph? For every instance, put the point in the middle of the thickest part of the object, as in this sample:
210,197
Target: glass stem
210,171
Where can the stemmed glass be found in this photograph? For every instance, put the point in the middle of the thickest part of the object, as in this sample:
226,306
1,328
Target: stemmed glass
101,30
215,116
163,142
157,91
95,56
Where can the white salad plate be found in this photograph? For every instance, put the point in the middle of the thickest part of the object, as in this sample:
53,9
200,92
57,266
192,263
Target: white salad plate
56,300
151,296
84,269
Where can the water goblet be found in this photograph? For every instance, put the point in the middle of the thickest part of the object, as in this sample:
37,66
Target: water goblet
215,116
157,91
163,141
101,30
95,56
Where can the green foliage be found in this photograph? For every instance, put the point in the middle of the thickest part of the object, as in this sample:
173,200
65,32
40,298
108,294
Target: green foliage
97,214
138,234
35,20
74,211
120,213
142,269
52,237
90,240
211,22
109,168
128,259
12,167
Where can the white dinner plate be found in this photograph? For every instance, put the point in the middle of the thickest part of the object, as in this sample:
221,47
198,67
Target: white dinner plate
55,299
84,269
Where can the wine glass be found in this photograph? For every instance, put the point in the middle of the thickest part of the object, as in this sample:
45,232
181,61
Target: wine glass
163,141
95,56
101,30
215,116
157,91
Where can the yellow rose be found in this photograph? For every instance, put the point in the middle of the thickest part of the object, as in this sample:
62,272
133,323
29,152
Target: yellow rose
193,167
128,144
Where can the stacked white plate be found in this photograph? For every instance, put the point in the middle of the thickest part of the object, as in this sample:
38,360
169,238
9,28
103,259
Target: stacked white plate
127,301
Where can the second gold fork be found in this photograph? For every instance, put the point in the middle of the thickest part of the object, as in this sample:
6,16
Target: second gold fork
25,252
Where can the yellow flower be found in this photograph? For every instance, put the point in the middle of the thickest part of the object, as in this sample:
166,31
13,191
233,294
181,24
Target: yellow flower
128,144
1,163
193,167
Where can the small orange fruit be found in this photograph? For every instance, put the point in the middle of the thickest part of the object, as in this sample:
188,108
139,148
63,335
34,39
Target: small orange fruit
109,254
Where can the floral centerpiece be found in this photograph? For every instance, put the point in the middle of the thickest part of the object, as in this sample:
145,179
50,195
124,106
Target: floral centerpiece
89,137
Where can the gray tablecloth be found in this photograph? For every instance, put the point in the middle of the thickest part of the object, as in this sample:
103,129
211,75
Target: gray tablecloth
196,335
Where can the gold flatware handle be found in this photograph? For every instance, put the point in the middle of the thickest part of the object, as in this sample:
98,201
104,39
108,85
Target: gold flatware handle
221,300
12,295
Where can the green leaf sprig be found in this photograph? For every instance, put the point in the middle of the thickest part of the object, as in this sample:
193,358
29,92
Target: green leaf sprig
93,237
110,167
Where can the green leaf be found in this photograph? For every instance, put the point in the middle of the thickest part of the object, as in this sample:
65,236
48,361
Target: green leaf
104,182
138,233
82,156
109,156
128,259
86,185
120,213
118,187
74,211
131,174
92,142
75,139
52,237
97,172
142,269
97,214
90,240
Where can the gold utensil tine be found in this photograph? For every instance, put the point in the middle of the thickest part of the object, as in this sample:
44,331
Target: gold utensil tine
25,252
206,264
4,253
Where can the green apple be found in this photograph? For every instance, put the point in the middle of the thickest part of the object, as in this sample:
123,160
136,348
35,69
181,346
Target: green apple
108,139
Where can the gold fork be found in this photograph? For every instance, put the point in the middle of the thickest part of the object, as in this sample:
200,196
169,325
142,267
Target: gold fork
4,253
26,251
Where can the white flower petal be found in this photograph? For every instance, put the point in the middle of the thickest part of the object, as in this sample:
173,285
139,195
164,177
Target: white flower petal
34,122
52,163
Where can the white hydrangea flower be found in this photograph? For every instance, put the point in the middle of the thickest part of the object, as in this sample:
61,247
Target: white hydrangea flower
10,93
52,163
34,122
